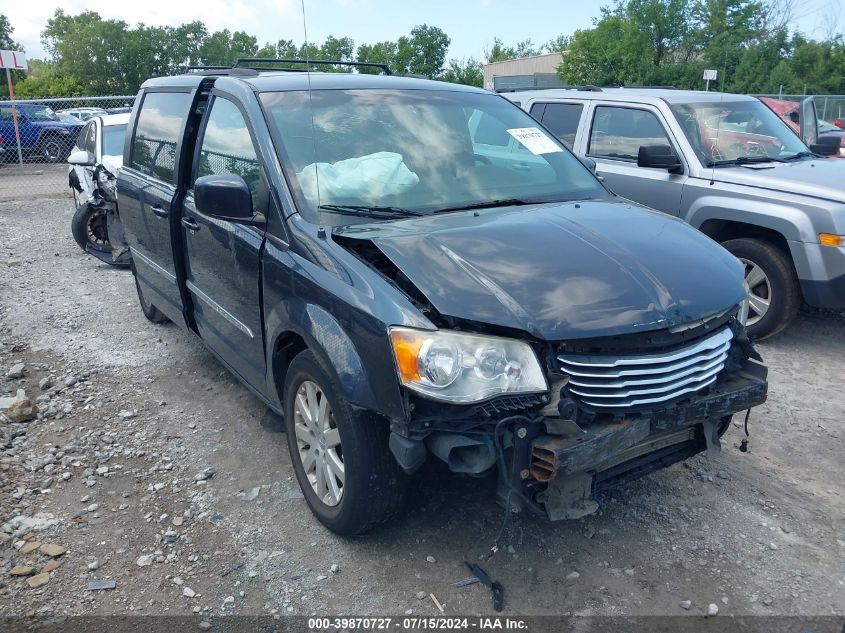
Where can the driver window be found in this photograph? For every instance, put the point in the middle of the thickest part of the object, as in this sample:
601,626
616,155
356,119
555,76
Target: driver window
227,149
619,132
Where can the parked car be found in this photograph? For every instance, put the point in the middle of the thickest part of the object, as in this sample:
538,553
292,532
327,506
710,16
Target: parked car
92,173
82,114
373,274
789,111
42,133
730,167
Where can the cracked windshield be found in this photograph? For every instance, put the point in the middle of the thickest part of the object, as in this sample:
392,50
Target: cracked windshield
416,152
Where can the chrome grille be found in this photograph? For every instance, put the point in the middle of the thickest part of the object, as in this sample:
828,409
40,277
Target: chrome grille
607,381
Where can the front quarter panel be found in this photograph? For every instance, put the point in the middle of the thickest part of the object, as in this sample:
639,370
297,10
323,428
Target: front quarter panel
342,310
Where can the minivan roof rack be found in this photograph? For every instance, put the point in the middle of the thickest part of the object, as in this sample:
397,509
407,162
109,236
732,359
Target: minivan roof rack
247,62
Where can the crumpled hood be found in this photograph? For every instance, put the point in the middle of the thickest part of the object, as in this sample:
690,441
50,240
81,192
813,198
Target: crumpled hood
562,270
818,178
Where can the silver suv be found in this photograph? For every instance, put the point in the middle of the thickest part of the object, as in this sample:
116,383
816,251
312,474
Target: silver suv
730,167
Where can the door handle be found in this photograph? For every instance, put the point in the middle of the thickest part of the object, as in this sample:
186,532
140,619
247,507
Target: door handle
160,211
190,224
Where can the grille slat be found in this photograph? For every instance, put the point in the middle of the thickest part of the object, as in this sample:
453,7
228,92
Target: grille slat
607,381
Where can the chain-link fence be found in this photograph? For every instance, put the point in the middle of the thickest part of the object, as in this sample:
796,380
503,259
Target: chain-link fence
36,137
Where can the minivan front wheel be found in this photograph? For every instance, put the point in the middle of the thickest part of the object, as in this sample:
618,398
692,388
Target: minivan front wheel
774,294
347,474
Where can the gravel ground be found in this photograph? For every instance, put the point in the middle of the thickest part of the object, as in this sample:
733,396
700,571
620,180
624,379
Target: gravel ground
150,467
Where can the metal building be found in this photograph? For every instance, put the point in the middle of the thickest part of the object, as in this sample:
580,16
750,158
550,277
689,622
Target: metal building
538,71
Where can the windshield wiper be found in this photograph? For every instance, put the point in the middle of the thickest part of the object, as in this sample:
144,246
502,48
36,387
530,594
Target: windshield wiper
804,154
490,204
364,211
745,160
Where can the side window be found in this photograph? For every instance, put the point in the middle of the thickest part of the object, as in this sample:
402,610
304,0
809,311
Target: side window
5,114
562,119
157,132
227,149
618,132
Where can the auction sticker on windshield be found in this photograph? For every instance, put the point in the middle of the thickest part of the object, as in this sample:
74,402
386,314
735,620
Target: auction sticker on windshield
534,140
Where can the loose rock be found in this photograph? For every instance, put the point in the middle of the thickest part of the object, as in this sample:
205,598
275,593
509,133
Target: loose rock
21,570
39,580
686,604
51,549
712,609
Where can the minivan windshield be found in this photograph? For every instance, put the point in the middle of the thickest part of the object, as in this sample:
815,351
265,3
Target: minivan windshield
736,132
113,137
358,155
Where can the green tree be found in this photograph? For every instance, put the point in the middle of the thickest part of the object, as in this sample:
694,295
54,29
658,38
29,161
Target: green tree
423,52
89,49
378,53
464,71
499,52
9,44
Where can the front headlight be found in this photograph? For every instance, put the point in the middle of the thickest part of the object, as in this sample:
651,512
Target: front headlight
458,367
742,314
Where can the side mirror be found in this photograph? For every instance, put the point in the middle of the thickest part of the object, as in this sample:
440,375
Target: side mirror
659,157
588,162
808,122
826,146
224,197
82,157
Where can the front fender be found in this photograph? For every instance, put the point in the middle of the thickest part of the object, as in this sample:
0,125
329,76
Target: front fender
324,336
783,218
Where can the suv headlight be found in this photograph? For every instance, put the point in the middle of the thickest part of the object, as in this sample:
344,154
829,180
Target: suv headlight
458,367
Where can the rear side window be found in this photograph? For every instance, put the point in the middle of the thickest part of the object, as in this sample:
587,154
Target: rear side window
562,119
619,132
157,132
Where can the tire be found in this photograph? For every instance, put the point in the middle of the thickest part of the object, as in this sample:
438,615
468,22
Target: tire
153,314
373,485
778,285
53,149
89,228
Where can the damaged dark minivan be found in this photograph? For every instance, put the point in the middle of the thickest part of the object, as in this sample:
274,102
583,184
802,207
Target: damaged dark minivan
410,270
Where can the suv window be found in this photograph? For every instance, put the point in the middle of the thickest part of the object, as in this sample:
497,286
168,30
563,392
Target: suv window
159,124
562,119
489,132
619,132
227,147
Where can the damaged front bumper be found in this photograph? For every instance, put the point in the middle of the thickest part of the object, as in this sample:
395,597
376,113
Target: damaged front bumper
553,459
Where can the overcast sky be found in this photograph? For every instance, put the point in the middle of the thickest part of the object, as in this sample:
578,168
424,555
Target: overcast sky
472,24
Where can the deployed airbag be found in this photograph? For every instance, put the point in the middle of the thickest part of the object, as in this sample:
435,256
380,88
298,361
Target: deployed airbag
365,178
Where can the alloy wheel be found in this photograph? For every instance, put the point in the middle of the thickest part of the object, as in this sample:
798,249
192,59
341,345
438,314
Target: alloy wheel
52,151
759,291
318,442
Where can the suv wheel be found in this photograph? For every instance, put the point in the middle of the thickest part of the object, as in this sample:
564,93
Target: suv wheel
53,150
340,455
774,294
153,314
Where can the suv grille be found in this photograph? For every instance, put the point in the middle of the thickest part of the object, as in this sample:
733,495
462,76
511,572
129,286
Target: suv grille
609,381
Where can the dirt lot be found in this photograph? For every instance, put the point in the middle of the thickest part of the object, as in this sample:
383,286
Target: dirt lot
131,413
